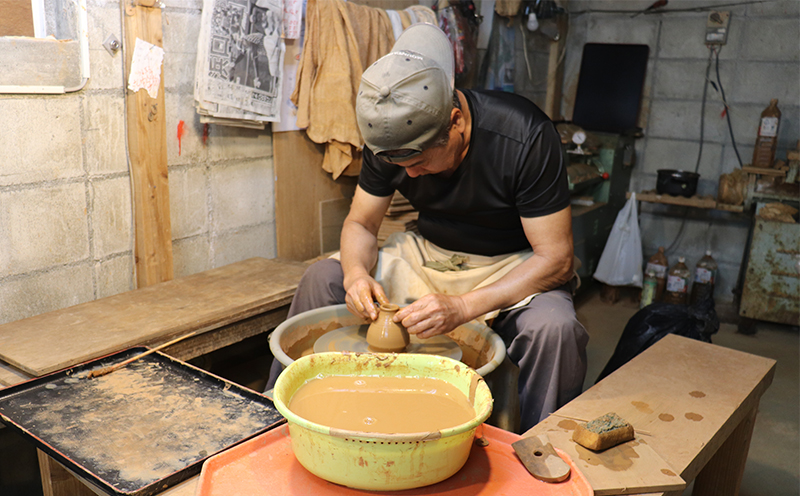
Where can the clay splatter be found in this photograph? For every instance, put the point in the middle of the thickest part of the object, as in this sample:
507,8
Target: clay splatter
697,394
642,406
668,472
666,417
696,417
568,425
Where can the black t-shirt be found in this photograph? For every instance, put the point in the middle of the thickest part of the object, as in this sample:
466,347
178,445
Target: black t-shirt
514,168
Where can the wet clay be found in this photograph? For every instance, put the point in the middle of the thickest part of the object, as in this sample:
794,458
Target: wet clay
697,394
386,405
696,417
618,458
668,472
567,424
642,406
386,335
666,417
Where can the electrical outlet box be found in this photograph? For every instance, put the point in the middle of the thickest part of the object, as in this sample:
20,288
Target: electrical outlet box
717,27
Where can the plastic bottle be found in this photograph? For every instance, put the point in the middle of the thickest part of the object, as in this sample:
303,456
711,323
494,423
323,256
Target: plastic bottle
648,288
659,264
705,274
678,283
767,141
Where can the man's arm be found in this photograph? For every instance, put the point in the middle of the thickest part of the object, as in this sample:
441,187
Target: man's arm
550,266
359,253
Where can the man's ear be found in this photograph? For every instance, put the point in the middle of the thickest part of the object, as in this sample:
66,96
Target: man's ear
457,120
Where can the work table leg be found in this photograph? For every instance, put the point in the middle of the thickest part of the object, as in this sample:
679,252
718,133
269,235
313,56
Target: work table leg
57,481
722,475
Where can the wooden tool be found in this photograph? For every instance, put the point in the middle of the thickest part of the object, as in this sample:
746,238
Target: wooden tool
541,459
112,368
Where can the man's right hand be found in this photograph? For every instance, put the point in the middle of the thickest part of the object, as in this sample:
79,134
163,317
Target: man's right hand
361,296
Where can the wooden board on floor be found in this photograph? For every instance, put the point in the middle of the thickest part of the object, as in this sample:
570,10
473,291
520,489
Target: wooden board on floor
688,395
205,301
10,375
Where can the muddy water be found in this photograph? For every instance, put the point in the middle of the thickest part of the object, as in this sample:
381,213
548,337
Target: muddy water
386,405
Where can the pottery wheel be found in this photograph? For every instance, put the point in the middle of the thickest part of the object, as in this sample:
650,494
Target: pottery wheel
354,338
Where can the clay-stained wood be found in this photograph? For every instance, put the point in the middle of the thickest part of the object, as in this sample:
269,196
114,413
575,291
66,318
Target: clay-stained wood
300,186
555,71
16,18
147,148
10,376
690,396
155,314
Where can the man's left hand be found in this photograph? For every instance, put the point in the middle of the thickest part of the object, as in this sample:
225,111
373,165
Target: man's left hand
432,315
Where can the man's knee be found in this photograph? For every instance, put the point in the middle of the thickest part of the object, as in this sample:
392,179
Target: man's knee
324,273
554,324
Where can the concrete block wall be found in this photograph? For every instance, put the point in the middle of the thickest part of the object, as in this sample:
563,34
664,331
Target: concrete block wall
66,224
760,61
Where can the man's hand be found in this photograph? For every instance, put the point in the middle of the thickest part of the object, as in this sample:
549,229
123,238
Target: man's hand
432,315
361,295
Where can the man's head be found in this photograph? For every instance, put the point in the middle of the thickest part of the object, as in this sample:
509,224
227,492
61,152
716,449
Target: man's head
405,100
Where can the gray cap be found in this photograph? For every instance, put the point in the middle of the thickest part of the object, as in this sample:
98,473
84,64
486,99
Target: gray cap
406,97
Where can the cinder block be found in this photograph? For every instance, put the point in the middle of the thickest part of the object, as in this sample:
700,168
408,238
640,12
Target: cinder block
114,275
771,39
241,244
778,8
43,145
620,29
759,82
43,292
675,119
104,133
111,216
188,201
180,35
727,278
242,194
105,71
229,143
103,20
683,37
42,227
681,155
184,4
680,79
727,242
191,255
729,160
178,73
190,150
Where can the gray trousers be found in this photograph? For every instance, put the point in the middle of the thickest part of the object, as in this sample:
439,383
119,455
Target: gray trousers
544,339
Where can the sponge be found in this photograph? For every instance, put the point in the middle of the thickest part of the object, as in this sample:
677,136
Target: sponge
603,432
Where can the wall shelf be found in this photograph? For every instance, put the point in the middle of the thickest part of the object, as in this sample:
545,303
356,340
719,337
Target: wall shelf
706,202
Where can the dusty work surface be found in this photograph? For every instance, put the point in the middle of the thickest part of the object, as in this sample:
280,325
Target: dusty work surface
208,300
688,395
139,428
267,465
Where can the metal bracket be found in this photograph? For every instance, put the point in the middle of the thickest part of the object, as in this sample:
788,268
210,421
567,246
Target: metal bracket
112,44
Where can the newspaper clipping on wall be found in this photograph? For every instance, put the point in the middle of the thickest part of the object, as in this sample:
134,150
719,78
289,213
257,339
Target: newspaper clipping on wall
238,74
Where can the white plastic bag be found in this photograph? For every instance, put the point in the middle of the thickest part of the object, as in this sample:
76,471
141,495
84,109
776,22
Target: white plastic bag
621,261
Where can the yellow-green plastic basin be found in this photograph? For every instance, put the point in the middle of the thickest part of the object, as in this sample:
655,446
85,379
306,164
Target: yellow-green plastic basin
374,461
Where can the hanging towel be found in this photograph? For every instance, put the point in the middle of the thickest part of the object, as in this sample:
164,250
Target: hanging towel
397,23
341,39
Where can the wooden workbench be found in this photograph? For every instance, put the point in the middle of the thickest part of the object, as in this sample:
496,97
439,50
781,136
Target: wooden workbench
225,305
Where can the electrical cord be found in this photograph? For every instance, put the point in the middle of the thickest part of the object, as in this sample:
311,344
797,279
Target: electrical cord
727,110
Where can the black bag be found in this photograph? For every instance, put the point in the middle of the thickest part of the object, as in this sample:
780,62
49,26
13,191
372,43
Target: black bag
655,321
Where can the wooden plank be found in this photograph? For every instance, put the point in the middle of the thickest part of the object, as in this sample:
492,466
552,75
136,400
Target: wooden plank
208,300
764,172
694,201
17,18
10,376
57,480
300,186
689,395
147,149
555,72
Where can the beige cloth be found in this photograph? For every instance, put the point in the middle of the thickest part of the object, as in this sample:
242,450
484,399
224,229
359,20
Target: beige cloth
341,39
402,273
507,8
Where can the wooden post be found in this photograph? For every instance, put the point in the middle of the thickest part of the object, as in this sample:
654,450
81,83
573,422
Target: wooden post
58,481
147,148
555,71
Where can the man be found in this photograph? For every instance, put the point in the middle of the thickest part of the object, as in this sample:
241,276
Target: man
486,172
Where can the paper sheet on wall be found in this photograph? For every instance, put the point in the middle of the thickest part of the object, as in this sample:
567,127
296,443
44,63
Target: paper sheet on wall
146,68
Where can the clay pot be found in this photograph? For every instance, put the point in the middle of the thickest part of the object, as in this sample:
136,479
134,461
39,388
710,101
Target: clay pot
384,335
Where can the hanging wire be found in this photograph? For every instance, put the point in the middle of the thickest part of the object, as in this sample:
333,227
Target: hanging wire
727,111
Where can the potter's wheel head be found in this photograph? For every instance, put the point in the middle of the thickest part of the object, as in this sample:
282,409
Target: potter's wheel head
354,338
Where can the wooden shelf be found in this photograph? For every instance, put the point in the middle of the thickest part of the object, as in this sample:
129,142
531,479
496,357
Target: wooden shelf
706,202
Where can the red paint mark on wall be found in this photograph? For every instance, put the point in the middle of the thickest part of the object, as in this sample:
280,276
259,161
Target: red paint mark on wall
181,130
205,134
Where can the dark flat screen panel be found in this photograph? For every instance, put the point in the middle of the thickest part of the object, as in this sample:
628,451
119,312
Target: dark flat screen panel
610,86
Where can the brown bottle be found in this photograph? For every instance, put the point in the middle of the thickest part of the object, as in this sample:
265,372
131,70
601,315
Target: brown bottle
705,274
678,283
767,141
658,263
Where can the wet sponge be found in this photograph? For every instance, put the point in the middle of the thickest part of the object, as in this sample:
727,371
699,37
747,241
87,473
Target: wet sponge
603,432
